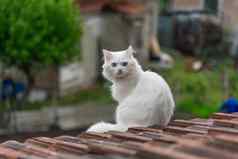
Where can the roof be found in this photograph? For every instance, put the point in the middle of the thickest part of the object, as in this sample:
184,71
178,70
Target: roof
216,137
125,7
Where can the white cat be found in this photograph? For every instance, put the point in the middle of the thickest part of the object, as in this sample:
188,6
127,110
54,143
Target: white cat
144,97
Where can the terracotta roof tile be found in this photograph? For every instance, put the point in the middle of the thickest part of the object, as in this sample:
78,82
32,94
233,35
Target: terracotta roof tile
216,137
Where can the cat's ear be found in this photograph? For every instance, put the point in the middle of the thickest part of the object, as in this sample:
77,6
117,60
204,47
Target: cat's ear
130,51
107,55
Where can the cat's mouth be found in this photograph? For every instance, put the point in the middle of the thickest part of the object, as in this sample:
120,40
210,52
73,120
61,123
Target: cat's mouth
121,75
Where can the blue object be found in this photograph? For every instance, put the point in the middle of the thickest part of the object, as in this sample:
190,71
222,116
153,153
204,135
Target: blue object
7,88
19,88
11,89
230,106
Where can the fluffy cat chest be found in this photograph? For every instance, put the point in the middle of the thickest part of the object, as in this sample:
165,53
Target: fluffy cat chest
121,92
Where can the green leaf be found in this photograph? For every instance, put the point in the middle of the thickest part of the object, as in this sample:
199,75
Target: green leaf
43,32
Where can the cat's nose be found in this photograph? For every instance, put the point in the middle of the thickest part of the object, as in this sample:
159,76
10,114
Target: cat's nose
119,72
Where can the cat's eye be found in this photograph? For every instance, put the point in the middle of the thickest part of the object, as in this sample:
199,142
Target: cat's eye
114,64
124,64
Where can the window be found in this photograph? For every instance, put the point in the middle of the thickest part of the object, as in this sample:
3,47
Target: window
211,6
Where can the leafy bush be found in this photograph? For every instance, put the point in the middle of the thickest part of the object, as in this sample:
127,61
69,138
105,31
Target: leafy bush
200,93
35,33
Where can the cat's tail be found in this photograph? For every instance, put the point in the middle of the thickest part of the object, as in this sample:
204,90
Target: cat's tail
102,127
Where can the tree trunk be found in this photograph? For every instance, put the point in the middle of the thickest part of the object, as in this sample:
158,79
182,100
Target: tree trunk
56,89
55,98
30,83
30,79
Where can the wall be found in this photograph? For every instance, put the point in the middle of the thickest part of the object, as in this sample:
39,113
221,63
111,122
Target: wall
119,31
230,11
186,4
229,14
83,74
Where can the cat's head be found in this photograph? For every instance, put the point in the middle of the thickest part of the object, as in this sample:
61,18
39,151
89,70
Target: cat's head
120,64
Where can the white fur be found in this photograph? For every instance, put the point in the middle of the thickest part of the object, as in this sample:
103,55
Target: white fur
144,97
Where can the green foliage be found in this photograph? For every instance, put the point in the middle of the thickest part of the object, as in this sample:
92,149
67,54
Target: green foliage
38,31
190,107
233,82
200,93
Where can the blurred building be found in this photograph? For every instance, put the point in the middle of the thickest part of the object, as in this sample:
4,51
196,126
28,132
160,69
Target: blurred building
194,25
225,11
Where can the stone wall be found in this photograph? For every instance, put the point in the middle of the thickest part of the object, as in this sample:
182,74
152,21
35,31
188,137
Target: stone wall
66,118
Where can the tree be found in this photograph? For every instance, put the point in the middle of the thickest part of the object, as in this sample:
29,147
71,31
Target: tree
38,33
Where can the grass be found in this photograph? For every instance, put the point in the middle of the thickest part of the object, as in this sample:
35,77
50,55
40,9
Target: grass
200,93
198,110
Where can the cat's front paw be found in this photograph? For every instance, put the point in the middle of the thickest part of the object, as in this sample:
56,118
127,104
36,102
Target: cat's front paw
99,128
